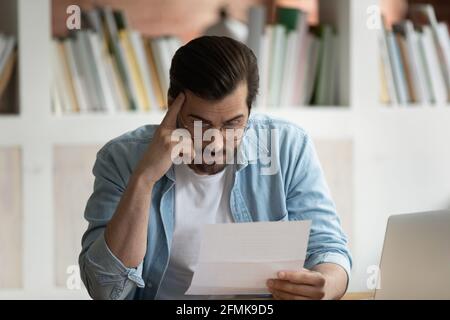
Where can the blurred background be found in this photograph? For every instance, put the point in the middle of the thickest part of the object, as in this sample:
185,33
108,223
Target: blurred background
373,94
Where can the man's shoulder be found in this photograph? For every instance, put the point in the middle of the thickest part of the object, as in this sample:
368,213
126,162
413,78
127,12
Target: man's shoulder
287,140
130,140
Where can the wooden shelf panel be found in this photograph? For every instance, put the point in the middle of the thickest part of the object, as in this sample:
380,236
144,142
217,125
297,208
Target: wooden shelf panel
10,217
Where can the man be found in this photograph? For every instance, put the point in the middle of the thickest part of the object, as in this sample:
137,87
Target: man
146,212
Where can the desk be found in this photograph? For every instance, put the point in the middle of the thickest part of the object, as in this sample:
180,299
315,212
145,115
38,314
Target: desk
348,296
358,296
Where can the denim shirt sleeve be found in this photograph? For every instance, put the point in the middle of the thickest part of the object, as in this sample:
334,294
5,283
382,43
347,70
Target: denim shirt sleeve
103,274
308,198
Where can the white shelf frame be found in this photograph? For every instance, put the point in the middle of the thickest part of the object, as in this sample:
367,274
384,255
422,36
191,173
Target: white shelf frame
36,132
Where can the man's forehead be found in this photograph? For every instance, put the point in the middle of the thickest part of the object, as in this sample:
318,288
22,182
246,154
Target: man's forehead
234,101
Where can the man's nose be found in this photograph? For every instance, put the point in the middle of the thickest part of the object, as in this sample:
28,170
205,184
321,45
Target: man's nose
217,143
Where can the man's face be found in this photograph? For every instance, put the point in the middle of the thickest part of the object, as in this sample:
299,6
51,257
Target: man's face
221,122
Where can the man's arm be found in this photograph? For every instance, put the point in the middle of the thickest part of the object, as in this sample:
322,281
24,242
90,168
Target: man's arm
126,233
328,261
114,245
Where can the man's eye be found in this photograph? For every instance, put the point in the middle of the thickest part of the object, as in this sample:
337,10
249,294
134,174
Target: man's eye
232,125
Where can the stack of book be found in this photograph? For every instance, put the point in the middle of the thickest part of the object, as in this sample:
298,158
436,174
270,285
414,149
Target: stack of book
109,67
415,60
298,65
8,58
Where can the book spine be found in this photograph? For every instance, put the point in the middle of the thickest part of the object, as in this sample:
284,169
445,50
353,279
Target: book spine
110,101
78,80
398,72
432,59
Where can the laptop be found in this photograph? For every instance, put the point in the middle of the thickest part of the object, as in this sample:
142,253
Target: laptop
415,263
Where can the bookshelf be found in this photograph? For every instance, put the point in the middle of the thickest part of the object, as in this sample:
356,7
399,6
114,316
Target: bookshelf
141,78
154,22
415,54
366,134
9,92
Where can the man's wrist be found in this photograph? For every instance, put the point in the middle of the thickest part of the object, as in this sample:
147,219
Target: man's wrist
332,292
142,179
333,286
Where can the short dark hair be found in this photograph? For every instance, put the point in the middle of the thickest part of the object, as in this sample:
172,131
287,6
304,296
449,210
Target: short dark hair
211,67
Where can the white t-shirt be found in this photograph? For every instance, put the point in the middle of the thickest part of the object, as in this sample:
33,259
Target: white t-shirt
199,200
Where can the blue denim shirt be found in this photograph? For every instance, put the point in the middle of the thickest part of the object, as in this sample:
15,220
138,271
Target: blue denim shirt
278,178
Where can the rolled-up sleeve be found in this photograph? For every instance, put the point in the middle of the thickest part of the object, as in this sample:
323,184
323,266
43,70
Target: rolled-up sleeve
103,274
308,198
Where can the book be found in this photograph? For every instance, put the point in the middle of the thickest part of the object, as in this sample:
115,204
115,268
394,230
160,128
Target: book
65,103
426,75
136,81
117,83
77,77
397,67
107,66
8,62
56,103
387,64
312,44
416,59
287,83
117,51
384,91
424,15
289,54
300,61
68,77
443,37
110,99
256,24
96,23
324,81
289,18
438,85
156,85
162,57
256,41
332,93
85,58
263,66
416,63
7,71
141,59
9,43
407,67
2,45
277,54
